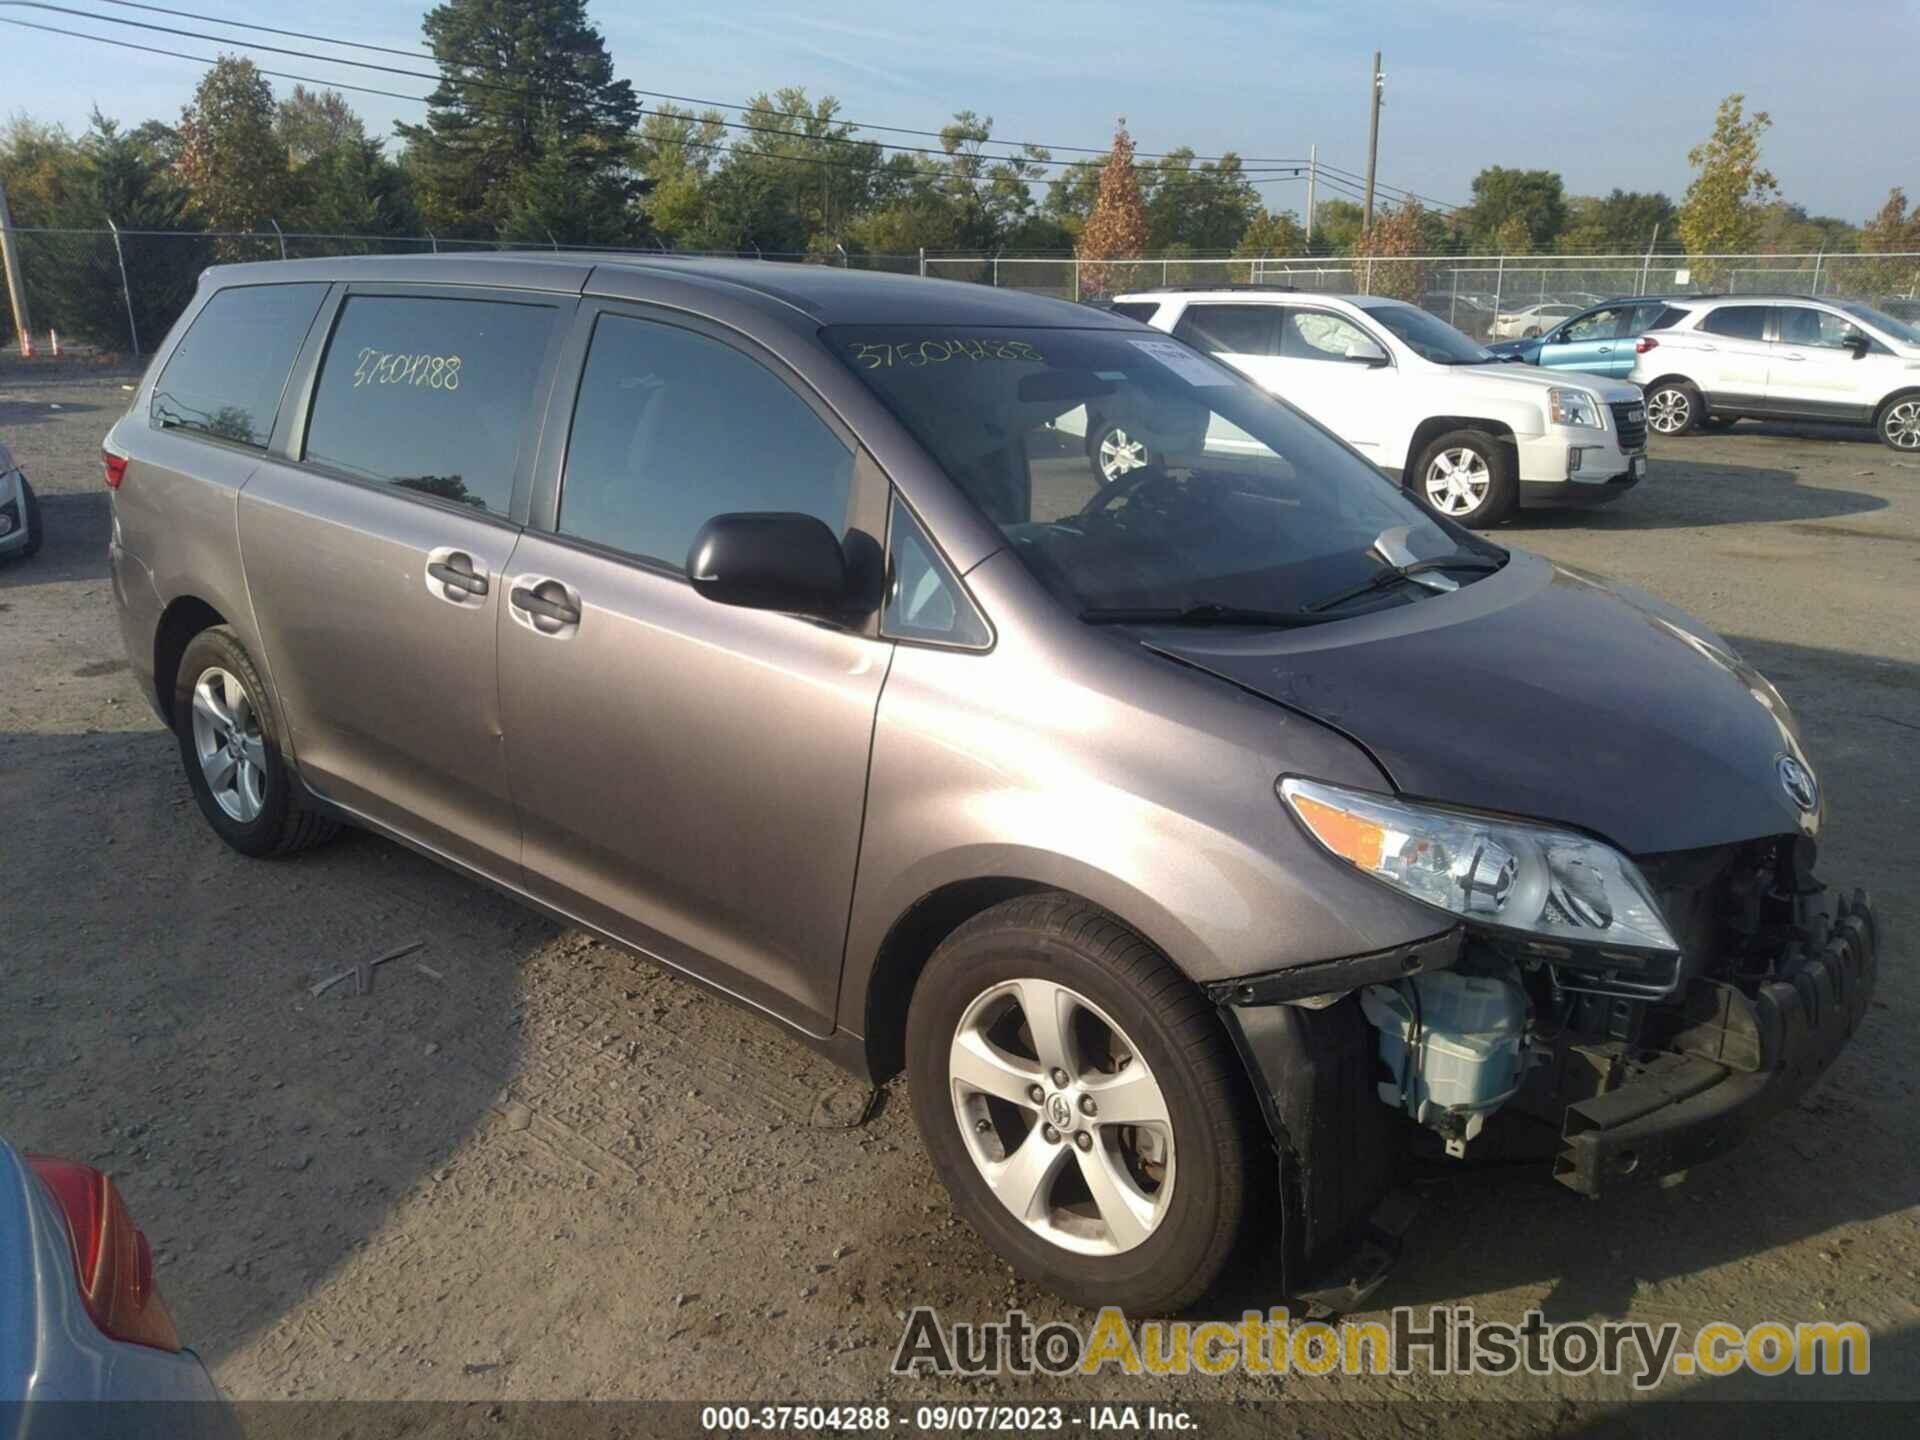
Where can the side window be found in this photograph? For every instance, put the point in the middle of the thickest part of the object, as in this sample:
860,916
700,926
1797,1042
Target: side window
924,600
1654,317
1141,310
1598,325
226,376
1229,329
672,428
1738,322
1803,325
430,395
1321,335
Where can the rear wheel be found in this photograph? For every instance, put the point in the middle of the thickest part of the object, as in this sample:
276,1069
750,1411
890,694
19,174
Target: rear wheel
30,507
1078,1098
1900,422
1467,475
1674,407
1116,454
231,749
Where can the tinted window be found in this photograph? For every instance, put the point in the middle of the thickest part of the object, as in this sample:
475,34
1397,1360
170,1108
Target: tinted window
430,395
1229,329
1657,317
924,601
1738,322
1317,335
226,376
1141,310
672,429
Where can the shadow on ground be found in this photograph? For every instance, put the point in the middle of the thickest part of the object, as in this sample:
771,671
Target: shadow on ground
1689,494
75,547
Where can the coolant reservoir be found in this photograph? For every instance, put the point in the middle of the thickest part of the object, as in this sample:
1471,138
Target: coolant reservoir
1454,1044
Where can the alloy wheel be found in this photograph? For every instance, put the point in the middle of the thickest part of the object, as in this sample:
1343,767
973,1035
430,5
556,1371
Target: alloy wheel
1456,481
1668,411
1062,1117
228,744
1120,454
1902,425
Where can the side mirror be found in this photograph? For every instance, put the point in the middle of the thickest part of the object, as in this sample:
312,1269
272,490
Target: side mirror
1856,342
770,560
1368,353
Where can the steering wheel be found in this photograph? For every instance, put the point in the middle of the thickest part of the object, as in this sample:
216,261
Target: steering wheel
1126,488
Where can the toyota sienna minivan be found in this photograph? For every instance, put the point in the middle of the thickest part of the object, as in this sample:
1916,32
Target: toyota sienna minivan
1204,846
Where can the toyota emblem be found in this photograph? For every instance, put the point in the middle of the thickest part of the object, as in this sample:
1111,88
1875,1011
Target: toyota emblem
1797,780
1060,1112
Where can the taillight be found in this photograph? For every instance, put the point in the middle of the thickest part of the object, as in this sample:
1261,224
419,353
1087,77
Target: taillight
113,468
111,1258
1640,347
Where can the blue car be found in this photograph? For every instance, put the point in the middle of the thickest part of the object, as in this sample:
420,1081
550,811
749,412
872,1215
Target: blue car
1597,340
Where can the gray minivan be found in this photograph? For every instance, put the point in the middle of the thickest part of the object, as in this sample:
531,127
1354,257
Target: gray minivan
1202,846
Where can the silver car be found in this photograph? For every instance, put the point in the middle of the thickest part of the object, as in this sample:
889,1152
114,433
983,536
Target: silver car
1200,844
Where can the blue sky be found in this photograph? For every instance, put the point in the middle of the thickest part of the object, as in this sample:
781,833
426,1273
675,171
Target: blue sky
1607,93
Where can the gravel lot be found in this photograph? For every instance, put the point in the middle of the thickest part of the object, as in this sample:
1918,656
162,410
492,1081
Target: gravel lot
547,1169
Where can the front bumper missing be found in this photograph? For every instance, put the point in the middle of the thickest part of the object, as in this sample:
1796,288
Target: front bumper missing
1751,1056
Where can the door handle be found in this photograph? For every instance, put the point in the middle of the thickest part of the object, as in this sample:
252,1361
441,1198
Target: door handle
1603,349
448,575
1709,347
1792,355
549,601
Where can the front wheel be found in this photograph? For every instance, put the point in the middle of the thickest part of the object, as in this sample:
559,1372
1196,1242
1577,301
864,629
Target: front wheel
1900,423
1674,408
1467,475
1116,454
30,512
1082,1105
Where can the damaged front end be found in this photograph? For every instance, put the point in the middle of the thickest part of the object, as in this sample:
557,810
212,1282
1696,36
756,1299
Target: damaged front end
1617,1066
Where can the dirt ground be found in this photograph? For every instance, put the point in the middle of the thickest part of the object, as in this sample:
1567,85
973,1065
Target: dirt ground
531,1165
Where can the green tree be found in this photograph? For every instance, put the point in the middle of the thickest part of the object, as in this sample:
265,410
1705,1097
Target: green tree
1722,211
312,122
1117,228
233,165
1623,222
675,150
352,188
1893,229
1203,207
1535,198
519,79
1071,194
566,197
1336,226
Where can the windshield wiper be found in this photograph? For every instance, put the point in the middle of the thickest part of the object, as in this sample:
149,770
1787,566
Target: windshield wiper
1391,549
1207,612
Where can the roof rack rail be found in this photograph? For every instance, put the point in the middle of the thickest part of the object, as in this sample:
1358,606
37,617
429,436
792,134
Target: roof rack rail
1193,289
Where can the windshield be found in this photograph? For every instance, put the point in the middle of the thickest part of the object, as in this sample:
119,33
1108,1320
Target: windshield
1427,335
1899,329
1132,473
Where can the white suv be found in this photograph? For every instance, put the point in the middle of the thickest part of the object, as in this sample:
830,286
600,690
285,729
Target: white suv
1473,436
1783,357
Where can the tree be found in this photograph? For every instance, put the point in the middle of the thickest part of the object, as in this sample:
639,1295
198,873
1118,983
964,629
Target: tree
1721,214
1535,198
1336,226
675,151
1623,222
1117,228
1201,207
519,79
312,122
352,188
230,159
1271,233
1071,194
1892,230
1396,234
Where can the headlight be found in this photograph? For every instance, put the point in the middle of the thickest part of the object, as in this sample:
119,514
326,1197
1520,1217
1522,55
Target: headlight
1502,873
1573,407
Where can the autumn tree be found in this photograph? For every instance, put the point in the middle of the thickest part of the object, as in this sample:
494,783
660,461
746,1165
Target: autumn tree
1893,230
231,160
1395,236
1722,212
311,122
1117,227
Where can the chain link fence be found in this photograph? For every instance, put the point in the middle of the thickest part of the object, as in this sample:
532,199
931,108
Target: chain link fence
120,291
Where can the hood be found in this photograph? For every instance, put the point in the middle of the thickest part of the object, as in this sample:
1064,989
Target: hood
1541,692
1525,349
1533,379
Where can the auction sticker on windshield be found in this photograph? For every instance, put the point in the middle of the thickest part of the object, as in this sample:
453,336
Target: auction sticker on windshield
1183,362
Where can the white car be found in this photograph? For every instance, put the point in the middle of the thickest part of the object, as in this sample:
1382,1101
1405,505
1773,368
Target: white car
1530,320
1783,357
1473,436
20,529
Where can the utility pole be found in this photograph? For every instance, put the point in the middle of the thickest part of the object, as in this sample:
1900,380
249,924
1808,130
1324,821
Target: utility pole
1313,175
1373,135
16,283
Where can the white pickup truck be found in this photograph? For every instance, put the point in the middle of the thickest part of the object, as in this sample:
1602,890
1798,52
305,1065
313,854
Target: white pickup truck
1474,436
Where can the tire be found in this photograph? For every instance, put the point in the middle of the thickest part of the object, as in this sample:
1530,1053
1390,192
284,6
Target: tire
1467,475
30,512
1899,423
1179,1184
1674,408
1114,454
258,812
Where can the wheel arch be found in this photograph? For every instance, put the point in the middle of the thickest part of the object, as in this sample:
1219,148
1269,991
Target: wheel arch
1434,426
185,617
1907,392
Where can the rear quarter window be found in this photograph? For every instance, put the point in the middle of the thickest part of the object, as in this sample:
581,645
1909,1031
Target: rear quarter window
226,377
1141,310
1737,322
430,395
